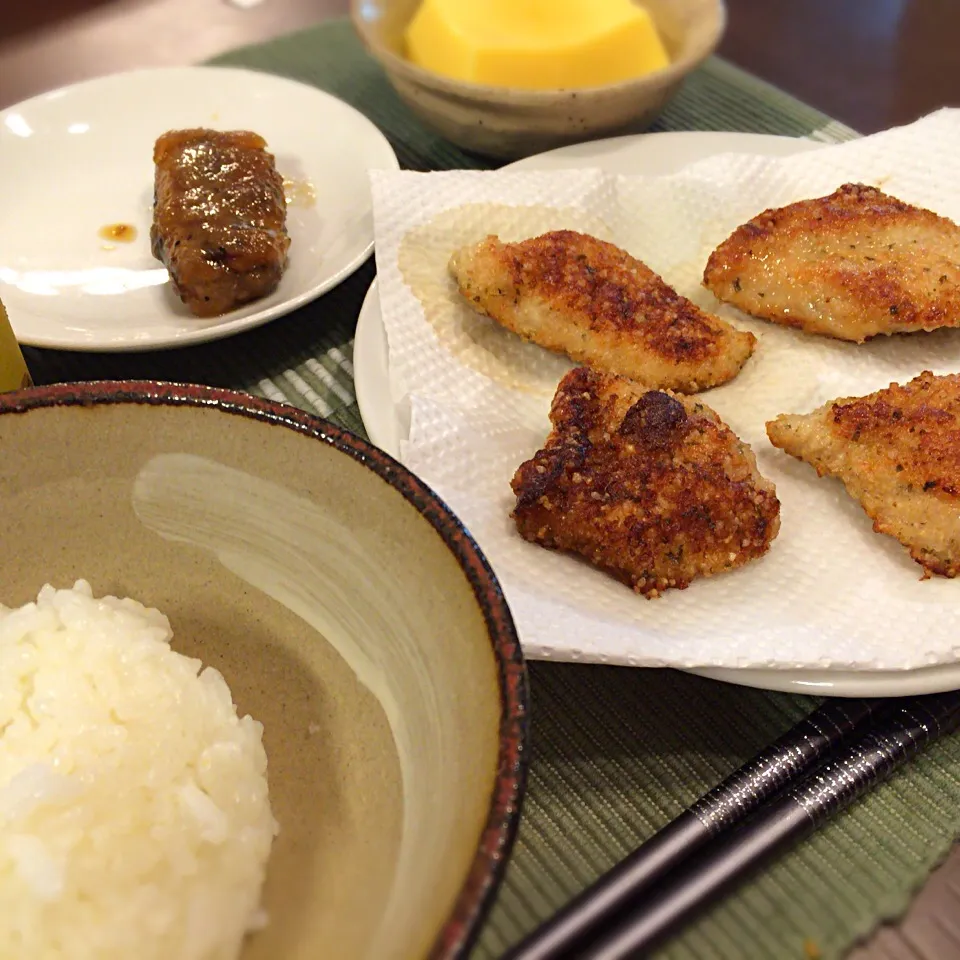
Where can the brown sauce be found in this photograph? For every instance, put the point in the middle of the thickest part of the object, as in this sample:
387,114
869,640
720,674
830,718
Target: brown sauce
118,232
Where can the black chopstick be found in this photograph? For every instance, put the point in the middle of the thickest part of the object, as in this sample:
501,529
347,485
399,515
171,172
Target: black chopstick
777,767
899,737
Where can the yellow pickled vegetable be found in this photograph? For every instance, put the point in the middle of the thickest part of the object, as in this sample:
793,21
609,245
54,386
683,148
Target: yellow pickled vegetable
535,44
13,371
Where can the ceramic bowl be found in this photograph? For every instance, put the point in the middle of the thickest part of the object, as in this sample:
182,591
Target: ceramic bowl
346,607
509,123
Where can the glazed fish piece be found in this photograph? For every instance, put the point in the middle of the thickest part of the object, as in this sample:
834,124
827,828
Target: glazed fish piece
219,218
648,485
897,452
852,265
588,299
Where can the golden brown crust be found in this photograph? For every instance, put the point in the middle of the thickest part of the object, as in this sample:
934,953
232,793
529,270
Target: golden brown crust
851,265
650,486
574,294
897,451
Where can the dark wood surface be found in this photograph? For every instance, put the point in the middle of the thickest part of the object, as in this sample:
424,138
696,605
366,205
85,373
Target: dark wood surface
870,63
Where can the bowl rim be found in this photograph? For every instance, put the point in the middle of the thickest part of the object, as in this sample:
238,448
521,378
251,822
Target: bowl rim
462,926
392,63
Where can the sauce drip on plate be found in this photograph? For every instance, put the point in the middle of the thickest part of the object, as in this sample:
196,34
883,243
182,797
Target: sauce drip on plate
118,232
299,193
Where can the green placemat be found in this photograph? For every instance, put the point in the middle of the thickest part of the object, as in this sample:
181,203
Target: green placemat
616,752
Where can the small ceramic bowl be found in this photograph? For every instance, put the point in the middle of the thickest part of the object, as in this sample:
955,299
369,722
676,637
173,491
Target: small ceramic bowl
348,610
509,123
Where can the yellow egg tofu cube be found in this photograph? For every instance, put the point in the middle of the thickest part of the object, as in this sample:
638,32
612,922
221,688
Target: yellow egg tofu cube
535,44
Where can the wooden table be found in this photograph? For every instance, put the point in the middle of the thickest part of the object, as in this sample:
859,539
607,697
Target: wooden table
870,63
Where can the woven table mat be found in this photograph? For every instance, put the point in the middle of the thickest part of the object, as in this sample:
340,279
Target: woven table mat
616,752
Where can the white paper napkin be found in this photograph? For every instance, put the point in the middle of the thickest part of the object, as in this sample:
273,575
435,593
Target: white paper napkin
831,592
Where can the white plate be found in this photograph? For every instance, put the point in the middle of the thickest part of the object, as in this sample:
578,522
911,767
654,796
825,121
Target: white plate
77,159
387,422
654,154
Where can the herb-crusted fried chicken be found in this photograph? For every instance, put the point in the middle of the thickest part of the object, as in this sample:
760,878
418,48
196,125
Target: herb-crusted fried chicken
852,265
897,451
574,294
652,487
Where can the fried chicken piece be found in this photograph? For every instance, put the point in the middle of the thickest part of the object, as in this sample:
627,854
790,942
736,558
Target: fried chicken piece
897,451
219,218
652,487
852,265
574,294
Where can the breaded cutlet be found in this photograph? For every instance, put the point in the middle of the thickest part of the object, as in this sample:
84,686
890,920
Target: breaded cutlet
897,451
650,486
588,299
851,265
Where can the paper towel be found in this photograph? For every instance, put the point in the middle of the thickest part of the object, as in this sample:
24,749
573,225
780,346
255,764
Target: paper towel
831,592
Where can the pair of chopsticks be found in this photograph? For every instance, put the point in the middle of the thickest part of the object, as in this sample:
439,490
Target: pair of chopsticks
813,771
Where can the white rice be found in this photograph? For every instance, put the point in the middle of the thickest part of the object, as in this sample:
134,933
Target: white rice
134,816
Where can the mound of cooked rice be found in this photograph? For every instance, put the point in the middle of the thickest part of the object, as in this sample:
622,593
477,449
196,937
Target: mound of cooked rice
134,816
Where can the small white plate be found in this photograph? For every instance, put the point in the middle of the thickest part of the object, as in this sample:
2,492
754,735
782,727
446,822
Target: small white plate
81,158
388,423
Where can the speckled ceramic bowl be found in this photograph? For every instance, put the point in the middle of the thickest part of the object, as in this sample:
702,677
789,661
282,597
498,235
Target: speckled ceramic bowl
348,610
509,123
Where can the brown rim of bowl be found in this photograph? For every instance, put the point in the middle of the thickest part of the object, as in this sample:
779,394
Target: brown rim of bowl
674,71
461,929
